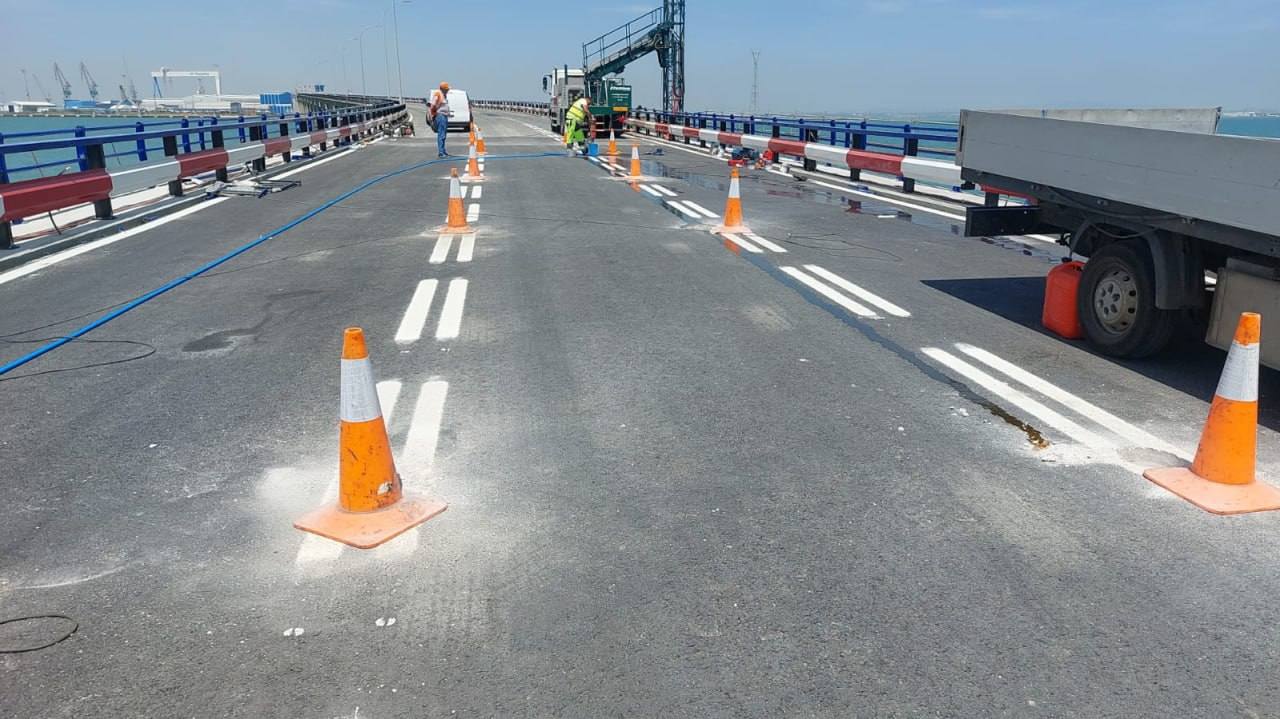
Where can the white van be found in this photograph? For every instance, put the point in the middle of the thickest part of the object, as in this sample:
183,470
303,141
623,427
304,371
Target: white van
460,109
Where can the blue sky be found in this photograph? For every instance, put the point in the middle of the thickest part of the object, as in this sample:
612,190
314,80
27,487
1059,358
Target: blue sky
822,55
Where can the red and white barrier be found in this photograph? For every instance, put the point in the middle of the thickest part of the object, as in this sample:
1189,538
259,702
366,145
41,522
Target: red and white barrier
906,167
34,197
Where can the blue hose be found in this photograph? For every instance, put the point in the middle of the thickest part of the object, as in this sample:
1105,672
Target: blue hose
143,299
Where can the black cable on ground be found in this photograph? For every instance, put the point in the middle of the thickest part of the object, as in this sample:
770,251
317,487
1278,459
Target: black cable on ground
20,650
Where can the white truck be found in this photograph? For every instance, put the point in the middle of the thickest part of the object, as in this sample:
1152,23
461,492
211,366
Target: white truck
1178,223
564,85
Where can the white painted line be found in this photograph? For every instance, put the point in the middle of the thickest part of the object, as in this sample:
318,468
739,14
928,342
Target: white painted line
415,315
740,242
441,251
828,292
684,210
57,257
466,248
651,191
768,245
882,198
702,209
473,212
1138,437
665,191
1031,406
424,429
862,294
477,191
451,315
313,163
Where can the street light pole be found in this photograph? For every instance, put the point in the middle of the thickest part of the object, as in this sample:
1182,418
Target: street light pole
399,72
364,87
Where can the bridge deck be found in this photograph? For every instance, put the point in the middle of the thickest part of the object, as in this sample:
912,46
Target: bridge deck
682,483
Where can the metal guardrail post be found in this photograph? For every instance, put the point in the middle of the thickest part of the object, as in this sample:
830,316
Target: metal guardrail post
284,132
911,148
170,144
776,132
305,126
186,138
722,129
218,143
859,142
97,160
257,133
81,160
808,134
6,230
241,129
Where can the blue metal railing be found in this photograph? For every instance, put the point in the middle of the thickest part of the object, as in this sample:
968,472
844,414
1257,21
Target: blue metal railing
929,139
71,146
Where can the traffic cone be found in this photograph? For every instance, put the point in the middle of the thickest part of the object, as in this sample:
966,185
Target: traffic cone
613,144
371,506
733,207
471,133
1221,478
473,166
480,141
457,220
635,160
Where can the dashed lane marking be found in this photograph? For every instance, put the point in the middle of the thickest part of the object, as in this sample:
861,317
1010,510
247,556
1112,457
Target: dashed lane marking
424,429
473,212
651,191
415,315
466,248
682,209
1009,394
827,291
477,191
740,242
441,251
702,210
882,198
666,191
768,245
451,316
857,291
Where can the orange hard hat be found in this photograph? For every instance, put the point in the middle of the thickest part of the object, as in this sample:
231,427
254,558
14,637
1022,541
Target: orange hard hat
444,86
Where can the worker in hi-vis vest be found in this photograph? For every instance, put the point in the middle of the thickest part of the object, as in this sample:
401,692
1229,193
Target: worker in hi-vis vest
438,115
575,119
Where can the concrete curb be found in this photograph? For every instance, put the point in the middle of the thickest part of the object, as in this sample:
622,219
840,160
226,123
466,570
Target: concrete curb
129,220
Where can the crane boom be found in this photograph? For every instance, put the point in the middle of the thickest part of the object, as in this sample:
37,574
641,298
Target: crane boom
89,81
63,81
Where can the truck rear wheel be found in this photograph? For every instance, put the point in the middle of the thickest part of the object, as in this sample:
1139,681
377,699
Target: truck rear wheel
1117,302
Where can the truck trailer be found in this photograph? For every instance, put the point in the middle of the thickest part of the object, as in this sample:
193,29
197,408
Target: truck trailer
1178,224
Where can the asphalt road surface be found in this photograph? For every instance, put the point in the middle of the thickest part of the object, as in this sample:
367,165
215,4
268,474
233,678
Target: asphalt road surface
845,474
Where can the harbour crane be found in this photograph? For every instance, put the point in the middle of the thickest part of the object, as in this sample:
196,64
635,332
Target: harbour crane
89,81
40,86
63,81
659,31
26,87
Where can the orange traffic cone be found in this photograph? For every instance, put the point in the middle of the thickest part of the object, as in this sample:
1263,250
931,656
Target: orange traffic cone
1221,479
635,160
613,144
733,207
471,133
371,506
457,220
480,141
473,166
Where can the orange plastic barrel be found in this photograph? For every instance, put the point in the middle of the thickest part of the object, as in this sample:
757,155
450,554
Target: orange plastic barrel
1060,288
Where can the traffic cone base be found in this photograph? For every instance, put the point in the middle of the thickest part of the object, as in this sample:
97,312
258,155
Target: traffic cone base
1214,496
366,530
1221,478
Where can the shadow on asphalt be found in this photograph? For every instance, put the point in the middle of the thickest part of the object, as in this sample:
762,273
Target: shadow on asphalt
1188,365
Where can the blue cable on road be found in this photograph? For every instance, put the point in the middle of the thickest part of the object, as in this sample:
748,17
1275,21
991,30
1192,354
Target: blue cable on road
145,298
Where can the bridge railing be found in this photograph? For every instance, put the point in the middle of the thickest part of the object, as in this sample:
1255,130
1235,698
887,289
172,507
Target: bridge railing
160,152
526,107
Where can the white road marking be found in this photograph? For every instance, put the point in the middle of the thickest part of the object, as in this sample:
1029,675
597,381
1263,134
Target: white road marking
683,210
466,248
1037,409
882,198
665,191
862,294
441,251
740,242
57,257
473,212
424,428
1138,437
768,245
477,191
313,163
315,548
651,191
415,315
702,209
451,315
828,292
